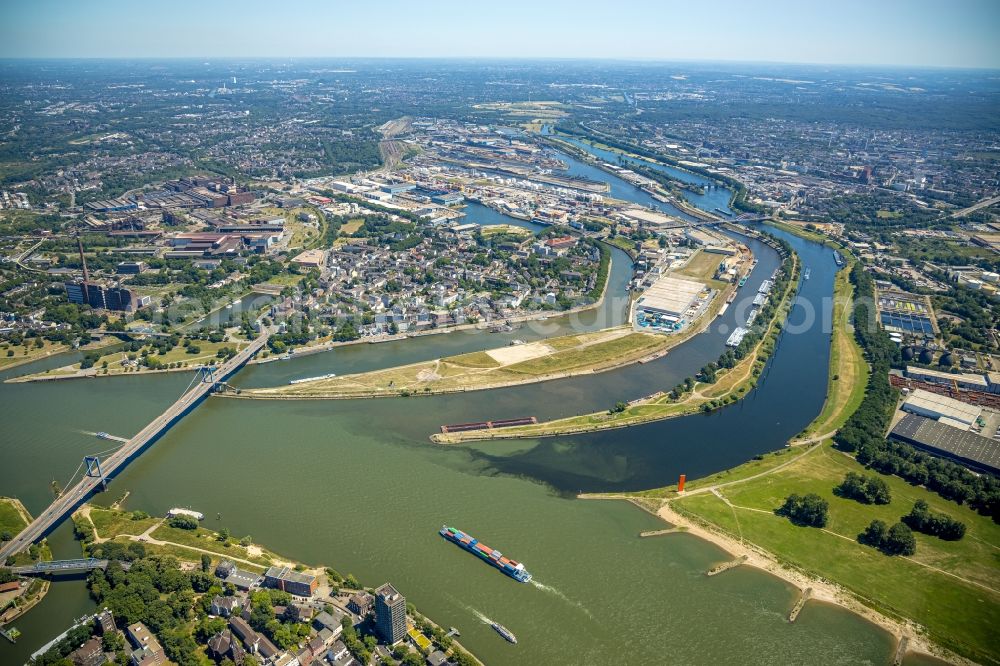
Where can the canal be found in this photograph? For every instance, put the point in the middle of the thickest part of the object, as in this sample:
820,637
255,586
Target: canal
357,485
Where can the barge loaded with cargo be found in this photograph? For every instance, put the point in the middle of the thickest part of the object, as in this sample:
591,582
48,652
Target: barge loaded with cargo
468,542
489,425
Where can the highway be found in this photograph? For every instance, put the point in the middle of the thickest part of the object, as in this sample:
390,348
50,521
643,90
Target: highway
72,497
976,206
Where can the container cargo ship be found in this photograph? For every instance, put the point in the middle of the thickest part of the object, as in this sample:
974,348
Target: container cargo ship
468,542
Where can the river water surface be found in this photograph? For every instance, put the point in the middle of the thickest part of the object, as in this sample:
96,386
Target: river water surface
358,486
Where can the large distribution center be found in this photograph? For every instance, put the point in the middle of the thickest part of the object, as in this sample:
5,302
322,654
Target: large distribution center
944,440
670,296
941,407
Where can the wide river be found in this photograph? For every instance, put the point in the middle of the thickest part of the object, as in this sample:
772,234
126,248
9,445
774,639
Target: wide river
358,486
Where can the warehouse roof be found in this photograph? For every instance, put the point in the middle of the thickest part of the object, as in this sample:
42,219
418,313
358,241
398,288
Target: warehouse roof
937,437
942,405
947,377
670,294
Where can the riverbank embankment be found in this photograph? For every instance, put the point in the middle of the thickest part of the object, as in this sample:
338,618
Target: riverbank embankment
14,517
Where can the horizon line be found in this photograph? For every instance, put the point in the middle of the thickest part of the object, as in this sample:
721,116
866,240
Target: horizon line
495,58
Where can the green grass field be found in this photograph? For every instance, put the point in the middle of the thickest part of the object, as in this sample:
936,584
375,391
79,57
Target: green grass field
110,523
11,519
179,354
593,355
183,554
958,598
702,265
204,539
12,355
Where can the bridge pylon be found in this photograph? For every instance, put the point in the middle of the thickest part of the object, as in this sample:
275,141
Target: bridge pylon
94,470
206,375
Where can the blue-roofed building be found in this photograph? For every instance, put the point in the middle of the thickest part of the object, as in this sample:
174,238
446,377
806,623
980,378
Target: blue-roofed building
447,198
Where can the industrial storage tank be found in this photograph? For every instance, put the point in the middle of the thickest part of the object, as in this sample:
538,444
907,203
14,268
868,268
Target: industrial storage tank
927,356
947,359
908,353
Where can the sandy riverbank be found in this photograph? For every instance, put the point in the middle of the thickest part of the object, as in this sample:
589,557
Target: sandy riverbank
821,590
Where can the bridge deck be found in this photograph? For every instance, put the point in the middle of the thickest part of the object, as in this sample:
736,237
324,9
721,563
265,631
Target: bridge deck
73,497
58,566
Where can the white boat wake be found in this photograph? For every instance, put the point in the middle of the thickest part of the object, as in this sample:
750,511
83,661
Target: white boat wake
558,593
482,618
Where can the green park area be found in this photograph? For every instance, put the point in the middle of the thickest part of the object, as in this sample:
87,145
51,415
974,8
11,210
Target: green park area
958,600
32,349
12,518
109,523
181,538
187,353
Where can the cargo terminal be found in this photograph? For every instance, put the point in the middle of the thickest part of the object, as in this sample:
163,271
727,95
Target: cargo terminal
940,439
942,408
670,303
955,415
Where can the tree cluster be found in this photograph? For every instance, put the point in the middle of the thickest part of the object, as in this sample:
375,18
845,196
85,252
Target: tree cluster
922,519
864,488
183,522
263,619
895,540
156,592
353,641
808,510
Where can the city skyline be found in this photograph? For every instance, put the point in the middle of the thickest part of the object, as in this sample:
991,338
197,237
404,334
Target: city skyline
888,33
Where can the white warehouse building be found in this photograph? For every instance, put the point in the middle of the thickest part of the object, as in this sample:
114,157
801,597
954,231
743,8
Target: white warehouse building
942,408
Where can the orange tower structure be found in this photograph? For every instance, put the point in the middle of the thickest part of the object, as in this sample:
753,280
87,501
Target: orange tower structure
680,483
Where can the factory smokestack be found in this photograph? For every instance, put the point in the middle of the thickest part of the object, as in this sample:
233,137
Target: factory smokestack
83,260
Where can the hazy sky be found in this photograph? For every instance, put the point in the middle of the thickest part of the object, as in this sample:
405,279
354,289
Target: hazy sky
946,33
